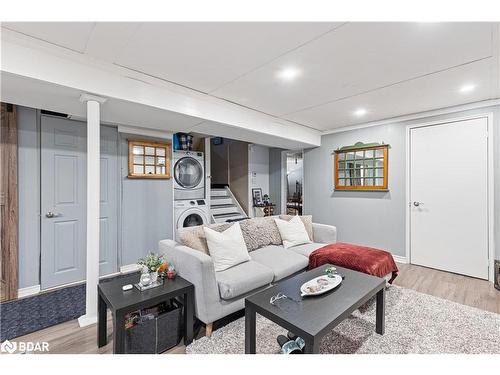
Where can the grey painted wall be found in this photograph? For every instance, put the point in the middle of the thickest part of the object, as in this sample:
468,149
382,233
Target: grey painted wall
367,218
219,162
29,197
275,177
238,172
146,211
376,218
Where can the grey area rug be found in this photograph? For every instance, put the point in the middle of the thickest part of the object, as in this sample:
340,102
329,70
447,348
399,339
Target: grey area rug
415,323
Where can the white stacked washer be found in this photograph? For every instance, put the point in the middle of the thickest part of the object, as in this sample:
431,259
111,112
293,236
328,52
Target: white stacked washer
189,213
190,206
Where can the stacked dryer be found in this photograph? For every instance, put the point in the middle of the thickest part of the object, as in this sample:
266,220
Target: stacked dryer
190,207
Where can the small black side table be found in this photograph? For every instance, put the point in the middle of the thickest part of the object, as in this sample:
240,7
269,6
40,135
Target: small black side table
120,302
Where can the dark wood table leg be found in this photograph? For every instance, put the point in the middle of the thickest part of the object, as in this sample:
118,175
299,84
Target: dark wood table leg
250,329
380,323
312,345
118,333
188,317
102,334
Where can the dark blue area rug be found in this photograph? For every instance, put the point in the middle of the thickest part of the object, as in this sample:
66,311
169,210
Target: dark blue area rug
26,315
30,314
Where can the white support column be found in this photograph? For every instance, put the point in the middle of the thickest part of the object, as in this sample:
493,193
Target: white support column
93,206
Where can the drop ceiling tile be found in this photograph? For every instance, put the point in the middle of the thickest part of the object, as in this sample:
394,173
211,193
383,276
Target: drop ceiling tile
72,35
109,38
434,91
359,57
205,56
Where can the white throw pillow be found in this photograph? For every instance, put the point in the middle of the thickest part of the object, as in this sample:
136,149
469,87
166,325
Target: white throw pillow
292,232
226,248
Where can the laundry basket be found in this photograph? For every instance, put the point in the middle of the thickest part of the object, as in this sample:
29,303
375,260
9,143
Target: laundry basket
156,335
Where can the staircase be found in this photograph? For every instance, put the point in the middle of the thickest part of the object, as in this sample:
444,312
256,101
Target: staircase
224,206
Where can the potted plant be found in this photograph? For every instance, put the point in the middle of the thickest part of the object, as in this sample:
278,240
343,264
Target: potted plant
151,263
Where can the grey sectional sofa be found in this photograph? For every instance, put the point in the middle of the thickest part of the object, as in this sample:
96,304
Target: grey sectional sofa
218,294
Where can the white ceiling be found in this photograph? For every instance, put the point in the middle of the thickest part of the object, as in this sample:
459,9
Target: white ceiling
72,35
40,94
429,92
390,69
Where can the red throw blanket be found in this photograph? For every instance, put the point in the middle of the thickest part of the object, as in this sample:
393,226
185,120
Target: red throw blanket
358,258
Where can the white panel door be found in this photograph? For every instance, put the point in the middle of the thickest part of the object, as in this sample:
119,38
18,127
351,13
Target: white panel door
63,201
449,197
63,176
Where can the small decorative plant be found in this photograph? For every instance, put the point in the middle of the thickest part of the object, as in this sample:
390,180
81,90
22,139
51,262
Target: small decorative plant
152,262
331,271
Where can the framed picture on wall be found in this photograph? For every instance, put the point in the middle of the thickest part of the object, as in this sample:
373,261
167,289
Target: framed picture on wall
257,196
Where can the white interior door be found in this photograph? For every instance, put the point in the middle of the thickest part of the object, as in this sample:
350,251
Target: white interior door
63,177
63,201
449,197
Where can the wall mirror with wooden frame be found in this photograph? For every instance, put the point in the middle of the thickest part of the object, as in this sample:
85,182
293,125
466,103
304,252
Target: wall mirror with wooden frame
362,166
149,159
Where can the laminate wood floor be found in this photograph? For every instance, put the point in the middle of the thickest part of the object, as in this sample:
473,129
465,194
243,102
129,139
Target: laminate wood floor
457,288
69,338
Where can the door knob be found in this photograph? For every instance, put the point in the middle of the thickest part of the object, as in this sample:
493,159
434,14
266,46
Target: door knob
50,215
417,204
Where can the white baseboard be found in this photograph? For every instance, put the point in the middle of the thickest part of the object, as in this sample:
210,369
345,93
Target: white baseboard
35,289
86,320
29,291
400,259
130,268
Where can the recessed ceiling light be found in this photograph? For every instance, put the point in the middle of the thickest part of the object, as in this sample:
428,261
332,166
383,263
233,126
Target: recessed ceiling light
289,74
467,88
360,112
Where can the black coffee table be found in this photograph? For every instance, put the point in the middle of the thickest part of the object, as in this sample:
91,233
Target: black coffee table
313,317
122,302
